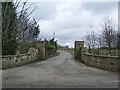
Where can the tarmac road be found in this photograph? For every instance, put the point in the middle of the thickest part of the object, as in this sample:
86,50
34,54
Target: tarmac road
60,71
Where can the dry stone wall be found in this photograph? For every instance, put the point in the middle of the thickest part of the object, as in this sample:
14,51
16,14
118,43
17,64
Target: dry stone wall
38,52
41,45
18,60
111,63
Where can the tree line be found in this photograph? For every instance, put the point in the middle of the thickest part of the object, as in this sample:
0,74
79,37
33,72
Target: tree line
108,38
18,28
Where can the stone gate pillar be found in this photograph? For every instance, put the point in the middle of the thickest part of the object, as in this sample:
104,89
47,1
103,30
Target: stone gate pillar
77,49
41,45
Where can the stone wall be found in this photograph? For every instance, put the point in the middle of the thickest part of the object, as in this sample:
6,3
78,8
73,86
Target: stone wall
9,61
78,46
101,61
38,52
111,63
41,45
34,54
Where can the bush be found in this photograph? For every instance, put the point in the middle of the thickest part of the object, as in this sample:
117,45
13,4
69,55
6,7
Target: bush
50,46
23,47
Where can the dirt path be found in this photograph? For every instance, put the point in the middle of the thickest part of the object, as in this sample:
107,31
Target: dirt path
59,71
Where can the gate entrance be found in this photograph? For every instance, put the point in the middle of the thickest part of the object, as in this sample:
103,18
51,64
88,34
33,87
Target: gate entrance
77,49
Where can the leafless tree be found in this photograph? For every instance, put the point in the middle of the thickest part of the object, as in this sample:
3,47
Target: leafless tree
100,42
91,40
109,33
25,25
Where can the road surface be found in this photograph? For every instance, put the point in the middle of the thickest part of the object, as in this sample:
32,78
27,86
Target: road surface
60,71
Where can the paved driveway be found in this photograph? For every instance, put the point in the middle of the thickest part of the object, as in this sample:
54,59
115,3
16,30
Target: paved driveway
60,71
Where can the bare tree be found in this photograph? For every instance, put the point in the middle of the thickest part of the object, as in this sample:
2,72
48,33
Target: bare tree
91,40
28,29
100,42
109,33
25,23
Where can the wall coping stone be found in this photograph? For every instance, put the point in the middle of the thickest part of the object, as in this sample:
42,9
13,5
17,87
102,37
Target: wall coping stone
104,56
14,55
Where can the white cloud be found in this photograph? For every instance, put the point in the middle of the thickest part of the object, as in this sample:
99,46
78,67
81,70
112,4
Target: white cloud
70,21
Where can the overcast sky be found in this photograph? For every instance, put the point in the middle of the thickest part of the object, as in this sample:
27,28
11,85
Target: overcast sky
71,21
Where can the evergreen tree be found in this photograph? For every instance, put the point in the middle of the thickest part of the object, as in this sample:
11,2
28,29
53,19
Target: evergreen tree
9,28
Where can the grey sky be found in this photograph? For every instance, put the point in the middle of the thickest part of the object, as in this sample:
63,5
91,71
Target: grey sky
71,21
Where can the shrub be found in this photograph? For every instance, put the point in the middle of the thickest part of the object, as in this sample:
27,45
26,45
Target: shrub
50,46
23,47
